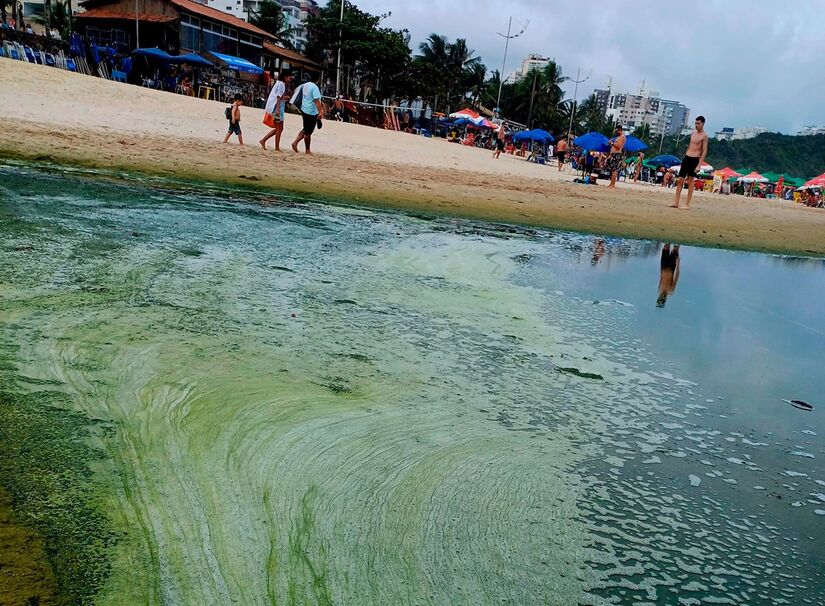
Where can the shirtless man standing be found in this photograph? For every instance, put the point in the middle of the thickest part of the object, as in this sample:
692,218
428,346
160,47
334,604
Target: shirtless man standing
616,157
697,150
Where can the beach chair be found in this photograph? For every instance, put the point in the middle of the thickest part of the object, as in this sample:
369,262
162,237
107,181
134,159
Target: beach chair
50,60
118,76
21,54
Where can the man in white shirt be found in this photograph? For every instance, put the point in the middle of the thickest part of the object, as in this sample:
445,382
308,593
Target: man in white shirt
276,107
307,98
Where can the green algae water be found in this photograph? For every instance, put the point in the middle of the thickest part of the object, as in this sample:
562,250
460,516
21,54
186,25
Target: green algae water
208,398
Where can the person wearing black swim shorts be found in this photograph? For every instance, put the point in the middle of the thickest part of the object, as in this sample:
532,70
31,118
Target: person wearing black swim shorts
696,152
669,274
615,160
500,136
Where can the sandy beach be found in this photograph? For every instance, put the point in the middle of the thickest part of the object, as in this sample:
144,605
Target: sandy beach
65,118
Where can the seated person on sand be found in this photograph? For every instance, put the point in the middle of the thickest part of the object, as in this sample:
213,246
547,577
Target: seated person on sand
186,86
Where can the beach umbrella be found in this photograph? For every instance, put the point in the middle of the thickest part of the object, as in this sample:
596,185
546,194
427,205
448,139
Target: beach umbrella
536,134
816,182
793,182
665,160
744,171
237,63
727,173
705,168
633,145
467,114
592,141
753,177
155,53
192,59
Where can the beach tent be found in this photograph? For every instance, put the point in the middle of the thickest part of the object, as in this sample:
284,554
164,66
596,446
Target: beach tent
537,134
154,53
753,177
236,63
665,160
592,141
727,173
793,181
816,182
633,145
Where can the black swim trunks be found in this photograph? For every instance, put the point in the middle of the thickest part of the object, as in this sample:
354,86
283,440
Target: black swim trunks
689,166
614,162
310,122
499,145
669,257
560,155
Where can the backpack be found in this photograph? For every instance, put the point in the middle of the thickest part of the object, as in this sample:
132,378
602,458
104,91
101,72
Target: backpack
228,113
298,98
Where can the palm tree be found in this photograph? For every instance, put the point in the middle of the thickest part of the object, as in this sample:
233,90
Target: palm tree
642,132
450,66
592,113
56,15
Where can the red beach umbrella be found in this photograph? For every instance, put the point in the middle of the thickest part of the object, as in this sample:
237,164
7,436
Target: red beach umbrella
727,173
815,182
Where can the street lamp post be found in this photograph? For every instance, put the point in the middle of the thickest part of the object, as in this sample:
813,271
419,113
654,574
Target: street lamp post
340,43
507,39
575,96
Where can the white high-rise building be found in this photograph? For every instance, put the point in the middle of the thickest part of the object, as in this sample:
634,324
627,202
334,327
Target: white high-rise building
295,12
531,62
807,131
632,110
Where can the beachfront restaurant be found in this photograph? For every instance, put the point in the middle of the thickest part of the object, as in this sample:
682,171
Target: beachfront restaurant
183,26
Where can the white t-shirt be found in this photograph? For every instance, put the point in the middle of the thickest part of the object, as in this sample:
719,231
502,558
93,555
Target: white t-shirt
278,90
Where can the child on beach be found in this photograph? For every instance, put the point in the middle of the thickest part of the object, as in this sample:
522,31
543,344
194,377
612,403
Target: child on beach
234,115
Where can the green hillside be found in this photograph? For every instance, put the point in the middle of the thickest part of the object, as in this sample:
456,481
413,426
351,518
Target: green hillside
801,156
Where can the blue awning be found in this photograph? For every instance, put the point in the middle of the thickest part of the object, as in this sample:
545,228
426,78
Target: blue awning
192,59
242,65
155,53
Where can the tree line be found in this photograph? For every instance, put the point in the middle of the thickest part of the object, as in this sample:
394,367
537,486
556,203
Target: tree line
378,63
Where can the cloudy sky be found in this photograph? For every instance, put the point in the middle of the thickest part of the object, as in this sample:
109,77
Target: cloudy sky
738,62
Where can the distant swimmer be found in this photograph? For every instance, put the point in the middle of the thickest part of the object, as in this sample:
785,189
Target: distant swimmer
669,274
696,152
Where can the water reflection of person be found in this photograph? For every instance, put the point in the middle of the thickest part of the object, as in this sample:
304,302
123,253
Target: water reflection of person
598,251
669,274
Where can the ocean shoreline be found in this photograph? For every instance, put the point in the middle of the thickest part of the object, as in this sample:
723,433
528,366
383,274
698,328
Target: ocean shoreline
92,169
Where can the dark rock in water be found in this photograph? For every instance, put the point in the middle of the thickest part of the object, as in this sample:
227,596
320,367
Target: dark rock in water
280,268
800,405
523,258
24,249
345,302
583,375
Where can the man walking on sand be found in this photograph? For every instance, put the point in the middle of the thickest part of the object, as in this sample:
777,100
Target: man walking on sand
561,152
500,135
696,152
307,98
616,158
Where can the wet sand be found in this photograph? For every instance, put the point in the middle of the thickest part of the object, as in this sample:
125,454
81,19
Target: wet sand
66,118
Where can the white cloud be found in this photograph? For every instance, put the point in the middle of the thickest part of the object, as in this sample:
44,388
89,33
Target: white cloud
738,62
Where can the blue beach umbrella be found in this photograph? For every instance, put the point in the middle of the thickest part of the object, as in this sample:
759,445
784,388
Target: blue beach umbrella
633,145
592,141
536,134
155,53
665,160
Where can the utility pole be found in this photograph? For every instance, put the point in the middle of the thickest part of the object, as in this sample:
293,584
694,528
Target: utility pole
575,96
532,98
507,39
340,43
137,26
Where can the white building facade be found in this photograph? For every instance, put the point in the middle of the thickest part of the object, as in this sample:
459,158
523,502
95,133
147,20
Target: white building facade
664,116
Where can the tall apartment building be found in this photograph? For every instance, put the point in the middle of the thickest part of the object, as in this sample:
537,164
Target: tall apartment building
811,130
531,62
296,13
737,134
633,110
